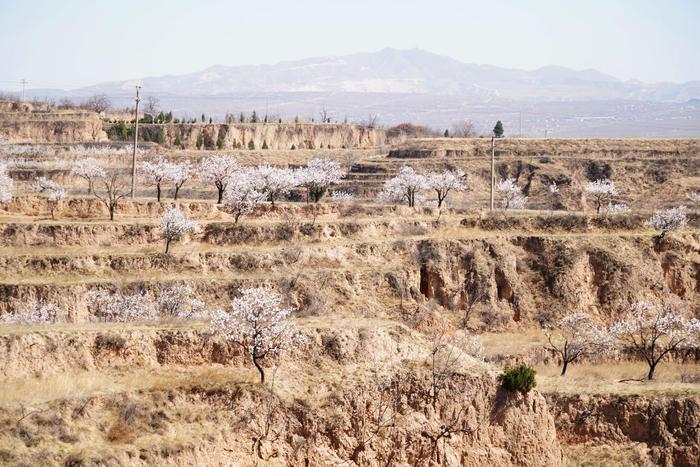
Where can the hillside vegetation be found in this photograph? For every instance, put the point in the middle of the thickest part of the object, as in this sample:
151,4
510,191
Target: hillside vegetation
407,315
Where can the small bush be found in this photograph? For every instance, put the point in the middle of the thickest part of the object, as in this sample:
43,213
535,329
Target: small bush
520,378
120,433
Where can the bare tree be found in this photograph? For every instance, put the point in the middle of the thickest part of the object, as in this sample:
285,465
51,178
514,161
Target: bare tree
446,354
151,107
66,103
464,129
324,115
97,103
267,428
375,412
113,189
457,423
371,121
475,294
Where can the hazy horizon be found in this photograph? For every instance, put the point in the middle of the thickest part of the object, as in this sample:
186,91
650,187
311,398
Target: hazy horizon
79,43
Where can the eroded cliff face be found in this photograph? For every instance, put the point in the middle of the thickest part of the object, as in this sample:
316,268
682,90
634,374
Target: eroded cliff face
26,125
282,136
665,426
536,279
312,419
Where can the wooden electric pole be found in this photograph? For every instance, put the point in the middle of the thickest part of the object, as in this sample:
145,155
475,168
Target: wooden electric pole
493,167
136,139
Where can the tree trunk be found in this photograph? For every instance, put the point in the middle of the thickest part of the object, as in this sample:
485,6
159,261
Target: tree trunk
167,246
563,369
221,194
177,189
111,213
652,367
158,192
260,369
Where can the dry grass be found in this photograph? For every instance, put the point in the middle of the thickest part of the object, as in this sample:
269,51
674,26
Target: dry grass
617,455
82,384
97,327
513,343
605,378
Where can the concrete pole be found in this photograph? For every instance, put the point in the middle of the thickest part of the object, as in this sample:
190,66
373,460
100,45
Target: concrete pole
136,139
493,168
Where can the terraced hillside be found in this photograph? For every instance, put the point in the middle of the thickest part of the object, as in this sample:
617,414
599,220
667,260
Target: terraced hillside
650,174
374,287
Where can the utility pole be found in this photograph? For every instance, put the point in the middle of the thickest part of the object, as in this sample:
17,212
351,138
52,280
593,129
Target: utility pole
493,167
24,83
136,139
521,123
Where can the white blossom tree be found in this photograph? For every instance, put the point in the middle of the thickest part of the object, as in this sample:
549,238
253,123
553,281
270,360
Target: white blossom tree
179,301
575,336
615,208
217,170
603,191
654,330
404,187
667,220
174,225
88,169
6,185
342,196
120,306
317,176
37,312
157,172
179,174
512,197
53,191
444,182
243,196
553,194
259,324
275,182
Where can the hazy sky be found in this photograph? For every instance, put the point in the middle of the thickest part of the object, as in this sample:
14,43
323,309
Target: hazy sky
72,43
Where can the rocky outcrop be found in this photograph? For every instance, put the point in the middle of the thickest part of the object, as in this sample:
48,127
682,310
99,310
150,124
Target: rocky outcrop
282,136
668,426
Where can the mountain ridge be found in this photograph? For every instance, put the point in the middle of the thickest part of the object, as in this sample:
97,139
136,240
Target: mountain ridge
405,71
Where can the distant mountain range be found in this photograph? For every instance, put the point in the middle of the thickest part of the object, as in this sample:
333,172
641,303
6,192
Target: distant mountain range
425,88
406,71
